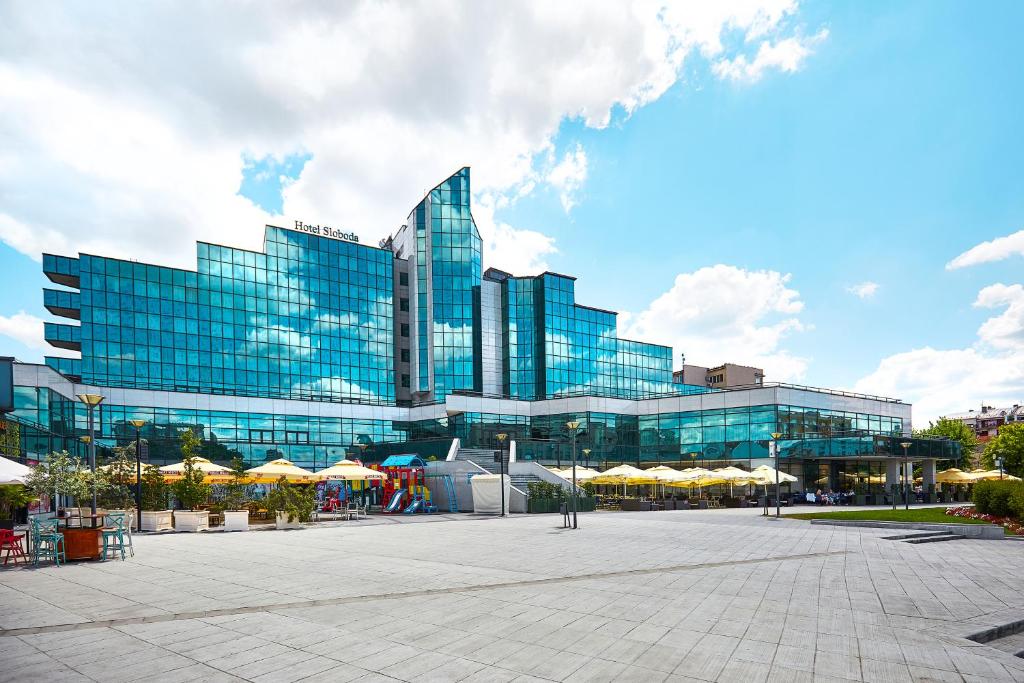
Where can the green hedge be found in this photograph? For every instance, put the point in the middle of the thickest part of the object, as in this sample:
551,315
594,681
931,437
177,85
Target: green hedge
1000,498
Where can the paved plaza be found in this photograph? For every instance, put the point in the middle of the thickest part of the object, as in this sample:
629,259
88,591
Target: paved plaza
669,596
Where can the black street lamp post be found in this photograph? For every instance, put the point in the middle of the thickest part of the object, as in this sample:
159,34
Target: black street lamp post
907,476
501,468
92,401
137,423
775,443
573,426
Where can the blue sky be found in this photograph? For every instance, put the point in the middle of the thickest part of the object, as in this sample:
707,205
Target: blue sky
889,146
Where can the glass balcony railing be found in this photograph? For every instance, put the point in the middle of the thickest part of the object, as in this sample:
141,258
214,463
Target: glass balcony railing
61,269
63,336
63,303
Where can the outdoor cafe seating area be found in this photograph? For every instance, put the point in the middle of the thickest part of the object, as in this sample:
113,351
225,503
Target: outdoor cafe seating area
632,489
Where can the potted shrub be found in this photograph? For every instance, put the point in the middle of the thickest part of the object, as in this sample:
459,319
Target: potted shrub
13,497
236,512
156,516
292,503
190,490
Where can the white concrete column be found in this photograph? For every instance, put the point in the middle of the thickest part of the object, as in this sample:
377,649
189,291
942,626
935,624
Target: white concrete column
927,474
892,475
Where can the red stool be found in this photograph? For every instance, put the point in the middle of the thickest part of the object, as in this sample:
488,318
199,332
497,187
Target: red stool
11,542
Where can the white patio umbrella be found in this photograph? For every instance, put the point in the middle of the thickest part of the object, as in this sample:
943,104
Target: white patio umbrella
765,475
13,472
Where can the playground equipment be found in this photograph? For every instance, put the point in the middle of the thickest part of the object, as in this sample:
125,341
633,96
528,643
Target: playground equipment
405,484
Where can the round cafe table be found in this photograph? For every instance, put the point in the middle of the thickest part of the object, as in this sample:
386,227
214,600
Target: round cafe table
84,542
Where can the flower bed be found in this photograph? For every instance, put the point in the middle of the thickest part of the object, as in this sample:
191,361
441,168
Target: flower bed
1011,525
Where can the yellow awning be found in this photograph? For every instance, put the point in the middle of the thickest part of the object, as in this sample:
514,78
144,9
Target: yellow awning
624,474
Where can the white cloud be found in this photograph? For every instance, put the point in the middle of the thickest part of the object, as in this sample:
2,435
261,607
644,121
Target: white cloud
24,328
27,329
865,290
993,250
726,314
142,142
940,382
568,176
785,55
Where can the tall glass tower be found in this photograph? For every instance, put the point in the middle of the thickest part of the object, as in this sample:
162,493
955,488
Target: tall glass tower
441,247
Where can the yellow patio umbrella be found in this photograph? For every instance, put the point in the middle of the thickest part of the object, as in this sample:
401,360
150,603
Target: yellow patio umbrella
733,475
347,470
697,476
625,475
582,473
992,475
272,471
212,472
954,476
765,475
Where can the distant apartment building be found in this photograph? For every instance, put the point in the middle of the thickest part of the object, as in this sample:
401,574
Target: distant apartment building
723,376
987,421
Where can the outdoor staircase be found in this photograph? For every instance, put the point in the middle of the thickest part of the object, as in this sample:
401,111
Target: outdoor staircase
482,457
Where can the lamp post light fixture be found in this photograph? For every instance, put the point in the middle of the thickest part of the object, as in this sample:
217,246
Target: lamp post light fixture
906,475
137,423
501,467
586,456
573,426
999,464
92,401
775,447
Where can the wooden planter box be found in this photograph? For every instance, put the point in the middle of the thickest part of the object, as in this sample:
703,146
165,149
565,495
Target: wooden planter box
157,520
191,520
236,520
82,543
283,523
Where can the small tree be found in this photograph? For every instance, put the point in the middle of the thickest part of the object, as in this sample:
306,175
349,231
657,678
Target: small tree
1008,445
114,482
237,492
60,474
154,489
296,501
13,497
190,489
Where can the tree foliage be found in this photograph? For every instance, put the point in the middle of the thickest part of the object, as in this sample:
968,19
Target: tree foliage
955,430
61,474
190,490
1008,445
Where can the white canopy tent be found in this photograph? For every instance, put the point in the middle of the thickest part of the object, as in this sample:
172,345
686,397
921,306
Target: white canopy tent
13,472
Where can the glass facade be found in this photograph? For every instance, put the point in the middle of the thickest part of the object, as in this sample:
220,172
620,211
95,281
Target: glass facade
448,257
311,318
554,347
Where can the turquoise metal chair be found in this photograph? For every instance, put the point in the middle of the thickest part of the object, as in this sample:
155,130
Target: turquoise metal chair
47,541
113,533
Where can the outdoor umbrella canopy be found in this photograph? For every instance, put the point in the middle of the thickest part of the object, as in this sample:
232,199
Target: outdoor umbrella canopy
212,473
348,470
765,475
954,476
992,475
13,472
624,474
665,474
582,473
272,471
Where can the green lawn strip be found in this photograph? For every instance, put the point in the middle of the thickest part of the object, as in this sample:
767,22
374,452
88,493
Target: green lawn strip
931,515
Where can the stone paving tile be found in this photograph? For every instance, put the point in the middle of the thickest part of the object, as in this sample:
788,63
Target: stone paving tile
880,611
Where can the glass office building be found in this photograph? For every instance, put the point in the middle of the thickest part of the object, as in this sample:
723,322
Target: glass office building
318,343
